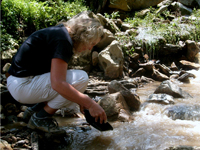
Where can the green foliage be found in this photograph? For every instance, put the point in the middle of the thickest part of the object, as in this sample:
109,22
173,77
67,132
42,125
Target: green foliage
113,15
32,15
195,34
171,31
7,40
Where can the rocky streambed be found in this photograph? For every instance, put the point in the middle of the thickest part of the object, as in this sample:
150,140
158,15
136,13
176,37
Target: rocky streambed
152,102
155,104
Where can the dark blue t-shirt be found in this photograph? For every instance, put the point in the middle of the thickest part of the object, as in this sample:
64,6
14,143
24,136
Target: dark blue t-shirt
35,54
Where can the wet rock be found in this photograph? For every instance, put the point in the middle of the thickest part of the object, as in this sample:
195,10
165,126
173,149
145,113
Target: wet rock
185,77
161,99
184,112
174,67
158,76
144,79
187,65
115,86
115,107
132,100
174,76
128,84
138,73
192,50
163,69
172,89
108,103
149,66
182,147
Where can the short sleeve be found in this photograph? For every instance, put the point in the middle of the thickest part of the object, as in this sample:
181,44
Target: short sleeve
64,50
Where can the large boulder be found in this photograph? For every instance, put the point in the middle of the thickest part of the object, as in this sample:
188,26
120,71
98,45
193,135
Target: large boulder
128,5
111,60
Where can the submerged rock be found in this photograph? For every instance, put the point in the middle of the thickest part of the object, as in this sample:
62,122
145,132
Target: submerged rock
184,112
161,98
183,147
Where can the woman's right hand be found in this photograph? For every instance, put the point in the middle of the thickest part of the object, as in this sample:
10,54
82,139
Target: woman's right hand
98,113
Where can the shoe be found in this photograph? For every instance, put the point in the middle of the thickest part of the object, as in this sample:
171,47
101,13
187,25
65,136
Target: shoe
47,124
27,114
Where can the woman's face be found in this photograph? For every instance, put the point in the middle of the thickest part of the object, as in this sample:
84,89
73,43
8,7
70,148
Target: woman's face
87,46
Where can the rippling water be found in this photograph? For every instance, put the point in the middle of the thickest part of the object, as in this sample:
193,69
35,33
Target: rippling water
152,129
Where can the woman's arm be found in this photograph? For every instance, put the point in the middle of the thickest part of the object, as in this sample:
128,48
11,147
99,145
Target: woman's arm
59,84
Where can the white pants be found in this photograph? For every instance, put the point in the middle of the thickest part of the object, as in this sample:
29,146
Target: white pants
36,89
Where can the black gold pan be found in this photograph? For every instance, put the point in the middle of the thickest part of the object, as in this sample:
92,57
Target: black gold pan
91,120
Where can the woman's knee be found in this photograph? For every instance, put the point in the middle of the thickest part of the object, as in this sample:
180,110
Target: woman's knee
78,79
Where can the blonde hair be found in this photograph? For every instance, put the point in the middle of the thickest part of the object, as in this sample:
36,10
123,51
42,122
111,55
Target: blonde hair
84,30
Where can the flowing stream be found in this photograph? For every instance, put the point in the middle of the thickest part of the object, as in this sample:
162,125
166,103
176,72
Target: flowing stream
152,129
